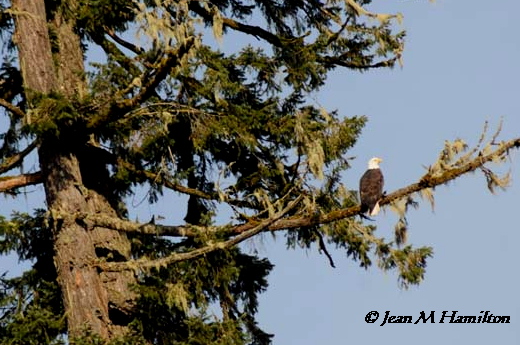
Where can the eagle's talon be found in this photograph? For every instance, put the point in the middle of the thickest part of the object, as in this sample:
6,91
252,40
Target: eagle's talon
366,217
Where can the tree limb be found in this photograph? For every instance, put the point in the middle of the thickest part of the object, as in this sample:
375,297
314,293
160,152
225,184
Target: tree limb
150,82
338,61
322,247
8,183
147,81
12,108
118,224
233,24
130,46
177,257
276,41
13,161
159,179
112,50
426,181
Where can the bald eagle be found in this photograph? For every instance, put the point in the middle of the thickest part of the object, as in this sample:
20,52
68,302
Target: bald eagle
371,187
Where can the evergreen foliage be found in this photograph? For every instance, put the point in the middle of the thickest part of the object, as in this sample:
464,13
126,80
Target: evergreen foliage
165,108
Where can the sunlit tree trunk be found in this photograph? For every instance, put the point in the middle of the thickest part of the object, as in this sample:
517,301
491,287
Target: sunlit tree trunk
99,302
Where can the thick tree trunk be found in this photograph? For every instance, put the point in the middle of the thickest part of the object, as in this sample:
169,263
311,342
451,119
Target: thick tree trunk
92,300
84,297
97,301
32,40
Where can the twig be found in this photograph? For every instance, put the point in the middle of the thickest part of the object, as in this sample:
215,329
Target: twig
323,248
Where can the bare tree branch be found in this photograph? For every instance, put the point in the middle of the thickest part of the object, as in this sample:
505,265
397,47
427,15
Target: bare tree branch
8,183
130,46
13,161
426,181
159,179
113,50
339,61
164,181
150,82
147,81
12,108
177,257
276,41
93,220
233,24
323,247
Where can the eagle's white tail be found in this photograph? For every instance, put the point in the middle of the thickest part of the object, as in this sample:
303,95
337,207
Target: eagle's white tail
375,210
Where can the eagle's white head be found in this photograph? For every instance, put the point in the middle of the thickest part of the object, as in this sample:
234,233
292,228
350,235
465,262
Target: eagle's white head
373,163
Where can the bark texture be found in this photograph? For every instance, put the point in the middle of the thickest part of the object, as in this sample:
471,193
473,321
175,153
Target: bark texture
34,47
97,301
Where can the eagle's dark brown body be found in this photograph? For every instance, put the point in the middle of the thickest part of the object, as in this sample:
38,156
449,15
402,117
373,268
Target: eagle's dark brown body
371,188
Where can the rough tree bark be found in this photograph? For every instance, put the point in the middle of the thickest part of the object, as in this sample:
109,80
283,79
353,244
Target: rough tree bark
96,301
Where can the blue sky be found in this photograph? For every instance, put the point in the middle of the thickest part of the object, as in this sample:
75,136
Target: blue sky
460,69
